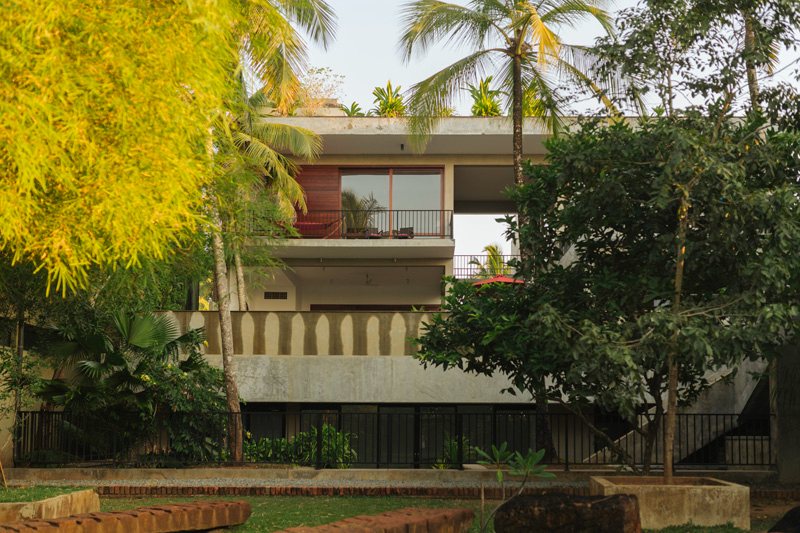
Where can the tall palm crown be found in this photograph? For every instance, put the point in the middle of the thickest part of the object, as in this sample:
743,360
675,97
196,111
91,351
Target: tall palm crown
516,39
271,45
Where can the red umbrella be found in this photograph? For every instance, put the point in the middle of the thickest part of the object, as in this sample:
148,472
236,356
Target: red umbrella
498,279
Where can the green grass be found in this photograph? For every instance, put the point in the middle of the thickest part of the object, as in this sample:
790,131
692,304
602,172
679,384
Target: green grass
274,513
32,494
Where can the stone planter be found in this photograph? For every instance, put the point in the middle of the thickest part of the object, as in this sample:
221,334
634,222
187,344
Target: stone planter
702,501
83,501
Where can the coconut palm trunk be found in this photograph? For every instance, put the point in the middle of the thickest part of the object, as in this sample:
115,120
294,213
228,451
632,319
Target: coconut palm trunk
240,283
516,112
226,333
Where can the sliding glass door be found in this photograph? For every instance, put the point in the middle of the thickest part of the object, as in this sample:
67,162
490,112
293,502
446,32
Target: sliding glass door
400,202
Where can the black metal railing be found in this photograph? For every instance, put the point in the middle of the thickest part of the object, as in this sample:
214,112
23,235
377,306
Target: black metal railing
401,437
482,266
372,224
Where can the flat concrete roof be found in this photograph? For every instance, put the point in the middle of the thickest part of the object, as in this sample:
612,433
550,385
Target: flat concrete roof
452,135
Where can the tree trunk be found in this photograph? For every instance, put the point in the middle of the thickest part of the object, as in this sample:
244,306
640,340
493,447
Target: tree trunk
672,359
544,431
240,285
750,64
669,425
652,433
516,117
226,330
19,345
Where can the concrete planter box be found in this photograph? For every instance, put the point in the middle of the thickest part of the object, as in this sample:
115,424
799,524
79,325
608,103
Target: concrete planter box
702,501
80,502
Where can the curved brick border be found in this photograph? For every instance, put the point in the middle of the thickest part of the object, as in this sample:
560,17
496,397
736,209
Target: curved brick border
195,516
462,493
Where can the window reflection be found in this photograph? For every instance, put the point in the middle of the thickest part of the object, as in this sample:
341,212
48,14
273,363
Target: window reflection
396,202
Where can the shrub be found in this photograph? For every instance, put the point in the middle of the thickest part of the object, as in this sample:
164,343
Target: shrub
302,449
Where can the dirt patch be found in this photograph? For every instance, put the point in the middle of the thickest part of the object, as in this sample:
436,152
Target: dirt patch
765,513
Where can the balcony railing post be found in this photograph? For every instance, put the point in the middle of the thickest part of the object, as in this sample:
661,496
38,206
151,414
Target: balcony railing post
319,441
417,437
460,441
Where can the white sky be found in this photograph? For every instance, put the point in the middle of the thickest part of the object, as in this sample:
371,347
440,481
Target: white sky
365,53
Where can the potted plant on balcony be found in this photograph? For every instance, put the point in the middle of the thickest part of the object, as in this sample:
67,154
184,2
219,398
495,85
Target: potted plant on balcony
358,213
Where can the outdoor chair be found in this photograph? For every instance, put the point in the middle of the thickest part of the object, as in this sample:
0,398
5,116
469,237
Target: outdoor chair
373,233
404,233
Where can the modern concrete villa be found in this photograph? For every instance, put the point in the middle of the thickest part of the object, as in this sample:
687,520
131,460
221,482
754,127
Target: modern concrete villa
332,332
334,327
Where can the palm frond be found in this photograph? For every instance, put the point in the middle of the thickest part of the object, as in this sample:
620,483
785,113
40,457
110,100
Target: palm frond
276,52
540,95
427,98
570,13
315,17
300,142
431,22
579,64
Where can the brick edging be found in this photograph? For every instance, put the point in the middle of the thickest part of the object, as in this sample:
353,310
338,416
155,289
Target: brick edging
461,493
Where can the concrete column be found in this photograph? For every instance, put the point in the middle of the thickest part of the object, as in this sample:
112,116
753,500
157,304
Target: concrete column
788,406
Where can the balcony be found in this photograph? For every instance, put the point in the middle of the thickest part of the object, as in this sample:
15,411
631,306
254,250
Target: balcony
482,267
384,224
370,234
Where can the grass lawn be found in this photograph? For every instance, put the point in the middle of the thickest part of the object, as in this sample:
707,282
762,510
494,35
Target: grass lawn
31,494
274,513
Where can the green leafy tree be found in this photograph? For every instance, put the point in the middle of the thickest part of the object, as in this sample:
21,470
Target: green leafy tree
389,101
485,101
699,49
517,39
659,250
94,98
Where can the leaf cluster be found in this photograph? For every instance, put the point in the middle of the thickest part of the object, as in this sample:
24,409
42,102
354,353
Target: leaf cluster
594,320
105,108
134,363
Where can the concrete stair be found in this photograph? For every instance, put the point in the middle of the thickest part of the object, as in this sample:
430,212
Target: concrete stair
722,396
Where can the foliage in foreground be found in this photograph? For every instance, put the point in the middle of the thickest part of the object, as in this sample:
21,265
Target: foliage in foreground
612,217
96,97
302,449
130,380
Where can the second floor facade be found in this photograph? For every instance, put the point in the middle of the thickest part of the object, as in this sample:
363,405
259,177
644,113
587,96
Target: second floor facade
379,230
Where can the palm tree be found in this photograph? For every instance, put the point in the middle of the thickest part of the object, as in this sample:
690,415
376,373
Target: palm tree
271,46
260,179
518,39
494,265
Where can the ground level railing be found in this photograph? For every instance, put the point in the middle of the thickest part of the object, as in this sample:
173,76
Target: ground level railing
400,437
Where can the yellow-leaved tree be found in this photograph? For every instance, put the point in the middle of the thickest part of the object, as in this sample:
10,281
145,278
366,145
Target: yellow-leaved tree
104,116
